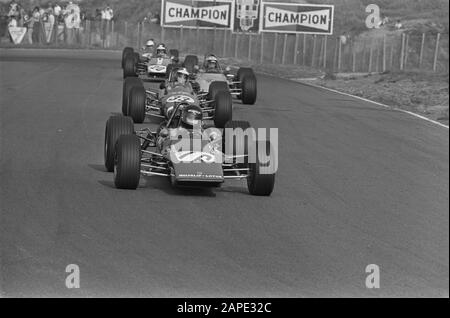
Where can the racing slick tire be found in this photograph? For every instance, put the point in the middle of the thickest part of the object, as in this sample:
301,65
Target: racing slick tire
115,127
247,80
129,66
128,83
125,52
237,146
223,108
174,53
261,177
136,104
215,87
190,62
127,162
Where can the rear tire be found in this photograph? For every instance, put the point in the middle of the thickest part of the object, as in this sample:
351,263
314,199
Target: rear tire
116,126
128,83
247,79
174,53
216,87
129,66
127,162
223,109
190,62
249,90
125,52
261,178
136,104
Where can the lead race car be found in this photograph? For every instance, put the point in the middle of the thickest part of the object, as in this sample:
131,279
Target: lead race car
152,64
241,85
137,102
171,152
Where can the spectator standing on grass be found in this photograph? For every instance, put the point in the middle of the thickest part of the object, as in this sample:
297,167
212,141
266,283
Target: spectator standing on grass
36,20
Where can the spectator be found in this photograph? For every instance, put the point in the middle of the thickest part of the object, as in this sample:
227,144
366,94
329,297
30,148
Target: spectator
398,25
35,20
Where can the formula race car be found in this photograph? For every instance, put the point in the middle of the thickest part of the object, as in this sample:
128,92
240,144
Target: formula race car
241,85
137,102
151,65
168,152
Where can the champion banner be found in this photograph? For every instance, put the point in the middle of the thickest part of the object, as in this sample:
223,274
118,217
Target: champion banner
197,13
296,18
17,34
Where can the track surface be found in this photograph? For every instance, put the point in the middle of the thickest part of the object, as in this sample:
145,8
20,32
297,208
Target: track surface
357,184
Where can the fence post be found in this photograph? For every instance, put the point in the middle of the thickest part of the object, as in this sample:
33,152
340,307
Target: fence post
283,57
339,54
314,49
370,57
197,37
325,39
353,56
304,50
422,44
296,49
112,32
236,45
261,51
406,50
180,45
402,52
384,53
436,52
125,33
275,48
224,49
249,57
163,34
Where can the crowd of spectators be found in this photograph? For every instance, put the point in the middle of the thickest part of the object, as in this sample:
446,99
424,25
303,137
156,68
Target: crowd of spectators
53,16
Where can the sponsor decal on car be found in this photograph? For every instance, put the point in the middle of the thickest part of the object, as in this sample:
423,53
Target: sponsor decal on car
157,68
194,156
199,175
180,99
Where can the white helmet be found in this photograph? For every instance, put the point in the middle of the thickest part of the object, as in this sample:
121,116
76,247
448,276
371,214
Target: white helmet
183,71
150,43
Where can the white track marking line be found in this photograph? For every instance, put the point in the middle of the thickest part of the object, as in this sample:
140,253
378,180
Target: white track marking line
376,103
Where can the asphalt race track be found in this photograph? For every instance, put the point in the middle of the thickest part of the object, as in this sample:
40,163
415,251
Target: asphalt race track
357,185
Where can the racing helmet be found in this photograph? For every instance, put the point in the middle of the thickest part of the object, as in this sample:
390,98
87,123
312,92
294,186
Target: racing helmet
149,43
191,115
161,50
211,62
182,76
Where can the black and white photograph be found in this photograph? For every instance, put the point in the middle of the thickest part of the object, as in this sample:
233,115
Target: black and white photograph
222,156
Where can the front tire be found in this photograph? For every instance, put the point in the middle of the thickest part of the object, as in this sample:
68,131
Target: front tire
127,162
247,80
223,108
136,104
125,52
128,84
116,126
129,66
261,178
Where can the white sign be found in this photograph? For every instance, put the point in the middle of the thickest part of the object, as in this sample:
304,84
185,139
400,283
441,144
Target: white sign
296,18
17,34
197,13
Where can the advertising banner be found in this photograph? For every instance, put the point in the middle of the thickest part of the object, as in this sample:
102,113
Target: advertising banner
296,18
246,16
205,14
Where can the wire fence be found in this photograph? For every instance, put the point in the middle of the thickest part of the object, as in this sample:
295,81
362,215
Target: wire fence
386,52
